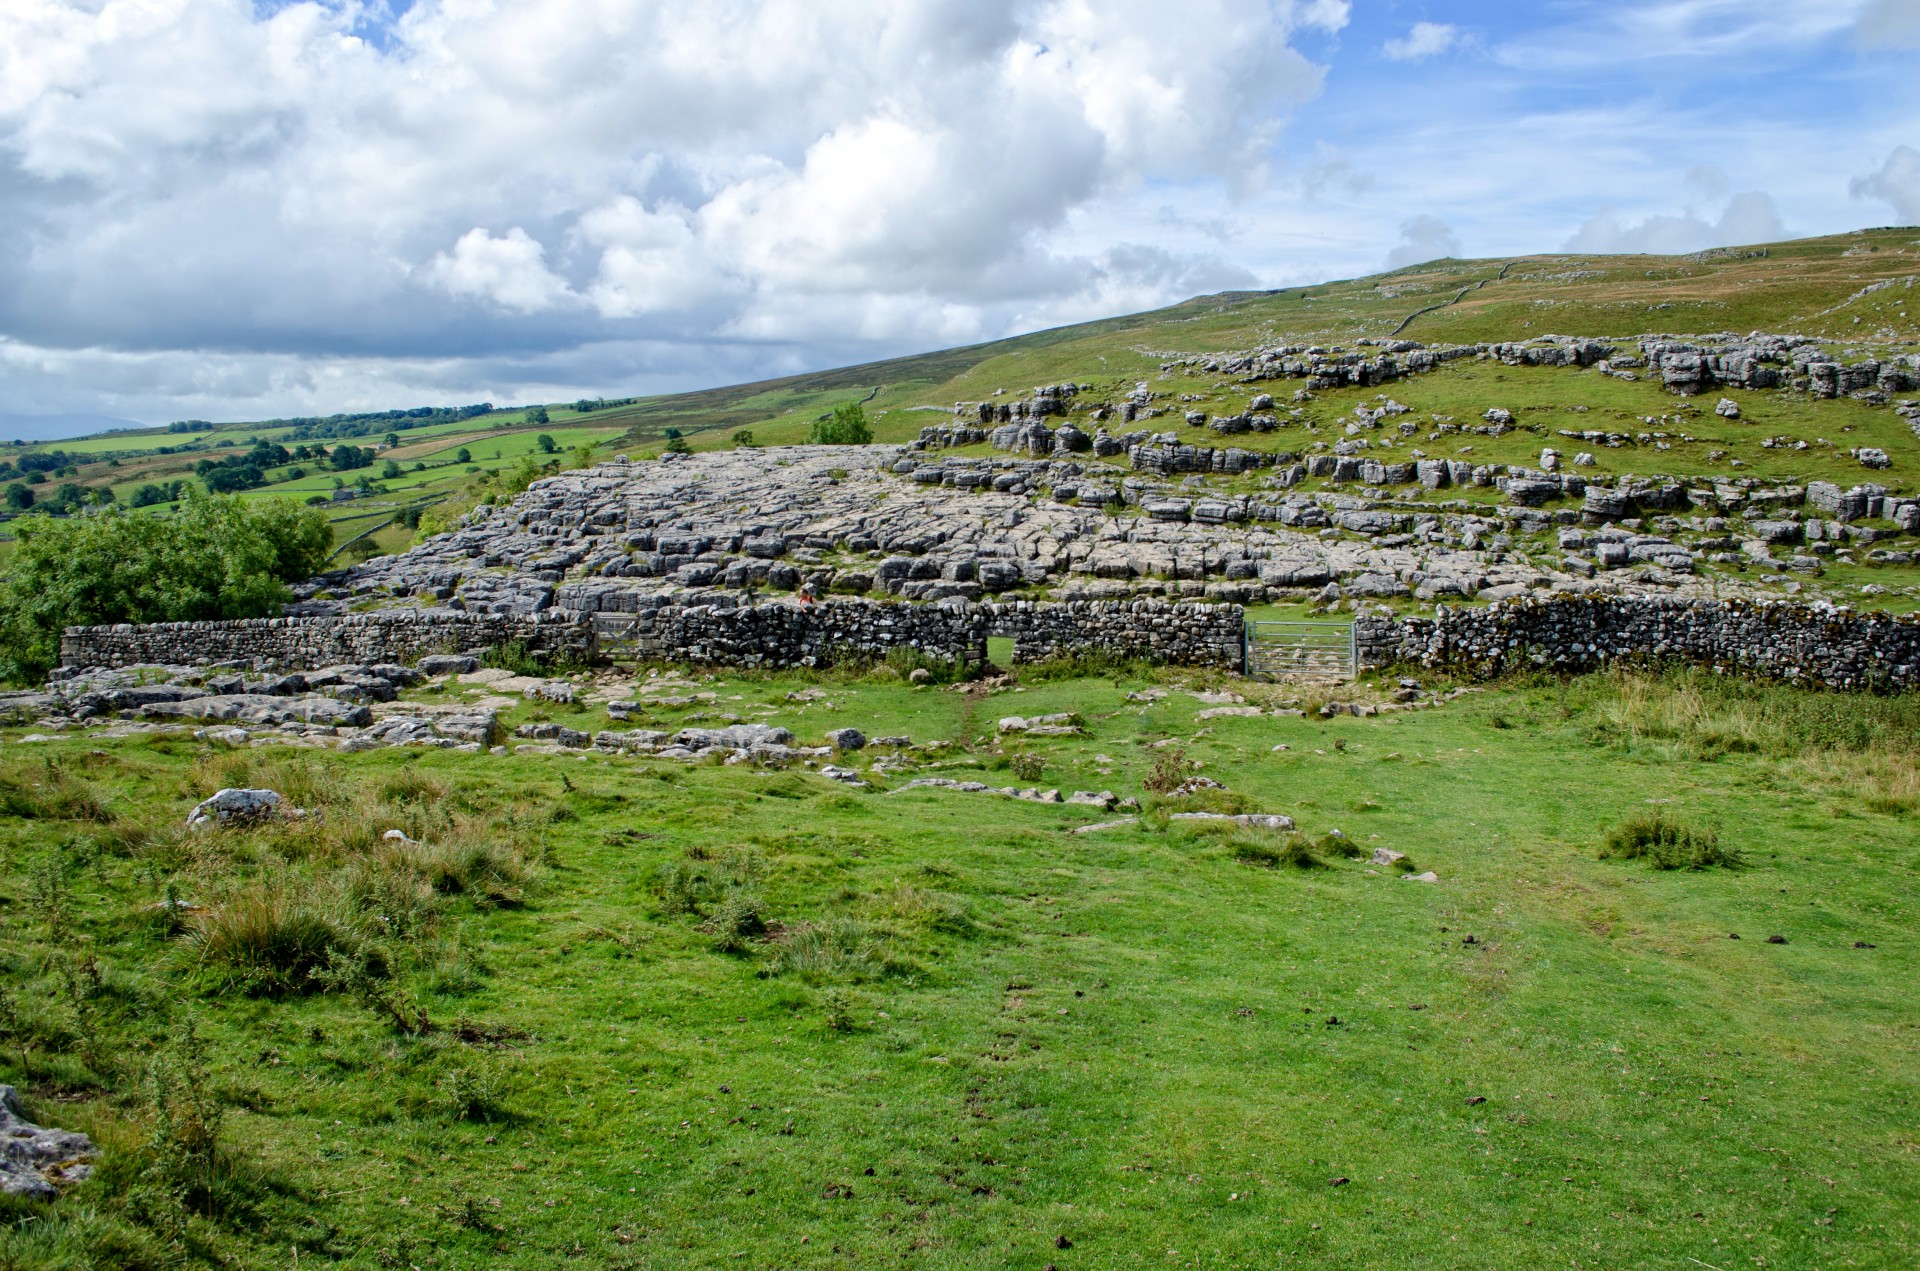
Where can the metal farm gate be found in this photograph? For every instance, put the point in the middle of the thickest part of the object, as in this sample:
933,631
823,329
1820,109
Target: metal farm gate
1321,650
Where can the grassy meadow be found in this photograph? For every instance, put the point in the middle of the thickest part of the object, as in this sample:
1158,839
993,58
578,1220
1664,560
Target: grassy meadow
632,1014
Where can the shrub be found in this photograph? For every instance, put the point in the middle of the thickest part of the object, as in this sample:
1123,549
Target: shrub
472,1093
736,922
217,557
1170,769
680,889
846,426
184,1152
840,1009
1668,844
1027,766
514,656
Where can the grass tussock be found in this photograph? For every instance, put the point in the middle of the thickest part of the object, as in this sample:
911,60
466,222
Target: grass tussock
47,791
834,949
1668,844
1290,851
275,937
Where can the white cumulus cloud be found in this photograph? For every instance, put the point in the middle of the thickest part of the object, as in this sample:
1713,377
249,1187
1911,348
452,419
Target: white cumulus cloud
1749,217
1424,40
494,183
509,271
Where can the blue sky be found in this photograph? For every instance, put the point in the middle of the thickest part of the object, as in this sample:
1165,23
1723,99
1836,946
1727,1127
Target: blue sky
235,209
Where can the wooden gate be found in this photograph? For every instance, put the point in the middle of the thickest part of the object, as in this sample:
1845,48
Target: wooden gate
1322,650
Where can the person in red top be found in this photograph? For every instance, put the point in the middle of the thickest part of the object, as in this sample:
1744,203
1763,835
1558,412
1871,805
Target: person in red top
806,594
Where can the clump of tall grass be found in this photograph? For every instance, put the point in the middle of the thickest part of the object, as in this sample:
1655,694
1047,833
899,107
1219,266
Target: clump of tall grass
274,937
1668,844
48,792
736,922
464,863
927,910
1289,851
832,949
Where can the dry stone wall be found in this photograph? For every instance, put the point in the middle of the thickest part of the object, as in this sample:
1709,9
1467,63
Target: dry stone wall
782,634
1800,644
303,644
786,635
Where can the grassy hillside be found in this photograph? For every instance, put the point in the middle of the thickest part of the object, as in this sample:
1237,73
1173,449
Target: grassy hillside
1814,287
966,1036
1854,289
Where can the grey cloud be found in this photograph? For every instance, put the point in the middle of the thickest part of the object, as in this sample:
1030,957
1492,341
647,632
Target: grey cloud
1423,238
1897,181
1890,24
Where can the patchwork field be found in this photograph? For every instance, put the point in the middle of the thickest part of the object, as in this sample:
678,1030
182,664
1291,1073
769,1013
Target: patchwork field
637,1013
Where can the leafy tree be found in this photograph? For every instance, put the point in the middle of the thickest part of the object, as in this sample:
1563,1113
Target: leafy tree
216,558
346,458
389,470
224,479
391,440
463,455
847,426
538,415
523,474
19,497
743,438
546,443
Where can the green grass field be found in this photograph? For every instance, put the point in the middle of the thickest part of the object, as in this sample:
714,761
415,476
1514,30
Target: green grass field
967,1037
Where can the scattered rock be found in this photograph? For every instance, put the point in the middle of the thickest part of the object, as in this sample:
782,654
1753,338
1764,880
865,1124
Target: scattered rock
847,739
35,1160
1428,877
235,806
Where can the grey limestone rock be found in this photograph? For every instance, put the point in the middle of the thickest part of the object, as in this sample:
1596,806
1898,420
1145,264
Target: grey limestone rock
236,806
35,1159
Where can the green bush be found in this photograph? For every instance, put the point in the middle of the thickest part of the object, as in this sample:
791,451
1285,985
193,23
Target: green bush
1668,844
846,426
215,558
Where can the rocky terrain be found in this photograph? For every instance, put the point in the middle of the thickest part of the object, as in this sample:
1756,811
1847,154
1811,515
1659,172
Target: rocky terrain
1045,496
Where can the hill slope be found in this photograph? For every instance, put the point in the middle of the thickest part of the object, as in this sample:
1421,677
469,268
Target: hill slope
1823,287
